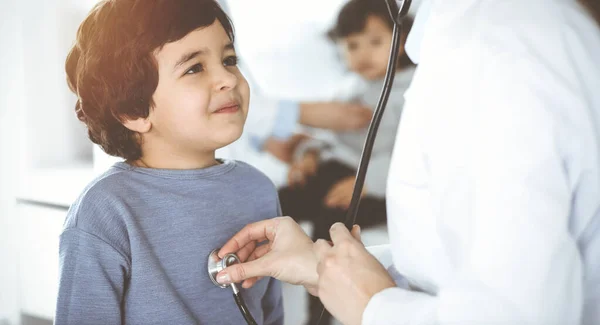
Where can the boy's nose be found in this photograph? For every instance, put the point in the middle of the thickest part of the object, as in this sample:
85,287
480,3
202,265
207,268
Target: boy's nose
225,79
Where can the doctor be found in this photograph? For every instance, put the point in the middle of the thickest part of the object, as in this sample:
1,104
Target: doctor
494,189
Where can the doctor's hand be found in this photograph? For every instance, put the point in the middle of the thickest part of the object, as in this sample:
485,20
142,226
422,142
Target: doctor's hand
348,275
287,254
336,116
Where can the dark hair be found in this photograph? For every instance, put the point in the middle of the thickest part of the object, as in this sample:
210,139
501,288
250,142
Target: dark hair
112,69
353,16
593,7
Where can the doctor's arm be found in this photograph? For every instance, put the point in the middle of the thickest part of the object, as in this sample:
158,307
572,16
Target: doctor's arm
515,260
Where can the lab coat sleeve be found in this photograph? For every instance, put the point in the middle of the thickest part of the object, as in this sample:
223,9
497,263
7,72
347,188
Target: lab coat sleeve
515,261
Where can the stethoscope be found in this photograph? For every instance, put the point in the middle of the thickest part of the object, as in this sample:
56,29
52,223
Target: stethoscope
398,9
216,265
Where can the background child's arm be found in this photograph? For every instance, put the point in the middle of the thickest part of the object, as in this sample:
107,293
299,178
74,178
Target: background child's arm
92,280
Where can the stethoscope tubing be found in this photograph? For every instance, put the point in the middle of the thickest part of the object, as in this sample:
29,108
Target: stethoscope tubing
373,128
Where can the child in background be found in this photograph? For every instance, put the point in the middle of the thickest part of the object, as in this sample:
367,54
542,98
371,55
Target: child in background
158,85
321,178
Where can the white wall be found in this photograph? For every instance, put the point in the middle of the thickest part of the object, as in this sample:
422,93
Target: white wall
38,127
49,29
11,94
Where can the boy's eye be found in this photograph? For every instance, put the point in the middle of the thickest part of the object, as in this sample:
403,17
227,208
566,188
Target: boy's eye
231,60
195,69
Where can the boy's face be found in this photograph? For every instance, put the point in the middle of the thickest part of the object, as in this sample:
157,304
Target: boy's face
201,100
367,52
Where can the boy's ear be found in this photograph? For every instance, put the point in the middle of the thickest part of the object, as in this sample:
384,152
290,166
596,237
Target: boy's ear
139,125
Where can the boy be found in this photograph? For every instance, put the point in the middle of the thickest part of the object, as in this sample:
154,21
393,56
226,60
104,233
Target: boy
322,177
158,85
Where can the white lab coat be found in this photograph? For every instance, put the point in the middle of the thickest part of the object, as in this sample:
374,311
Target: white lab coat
494,186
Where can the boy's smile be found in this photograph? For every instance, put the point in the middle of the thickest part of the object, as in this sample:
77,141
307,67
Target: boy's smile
227,108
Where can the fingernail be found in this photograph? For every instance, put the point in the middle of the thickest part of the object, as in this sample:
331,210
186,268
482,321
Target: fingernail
224,278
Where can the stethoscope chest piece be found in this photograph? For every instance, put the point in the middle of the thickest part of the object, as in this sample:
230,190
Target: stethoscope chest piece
216,265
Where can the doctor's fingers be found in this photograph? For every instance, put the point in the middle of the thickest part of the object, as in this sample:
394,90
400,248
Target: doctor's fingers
356,233
344,240
240,272
330,254
246,252
254,232
328,266
259,252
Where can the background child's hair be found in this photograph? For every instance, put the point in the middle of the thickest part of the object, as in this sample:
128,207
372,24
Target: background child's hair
112,69
593,6
352,19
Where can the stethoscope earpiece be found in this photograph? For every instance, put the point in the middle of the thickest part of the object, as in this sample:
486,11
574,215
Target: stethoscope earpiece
401,7
404,8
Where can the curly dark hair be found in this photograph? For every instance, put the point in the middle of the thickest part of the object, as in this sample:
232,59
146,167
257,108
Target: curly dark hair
112,69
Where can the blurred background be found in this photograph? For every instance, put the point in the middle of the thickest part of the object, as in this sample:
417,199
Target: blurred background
46,158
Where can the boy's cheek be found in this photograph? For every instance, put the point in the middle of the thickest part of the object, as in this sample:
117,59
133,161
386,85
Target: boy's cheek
245,93
244,87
